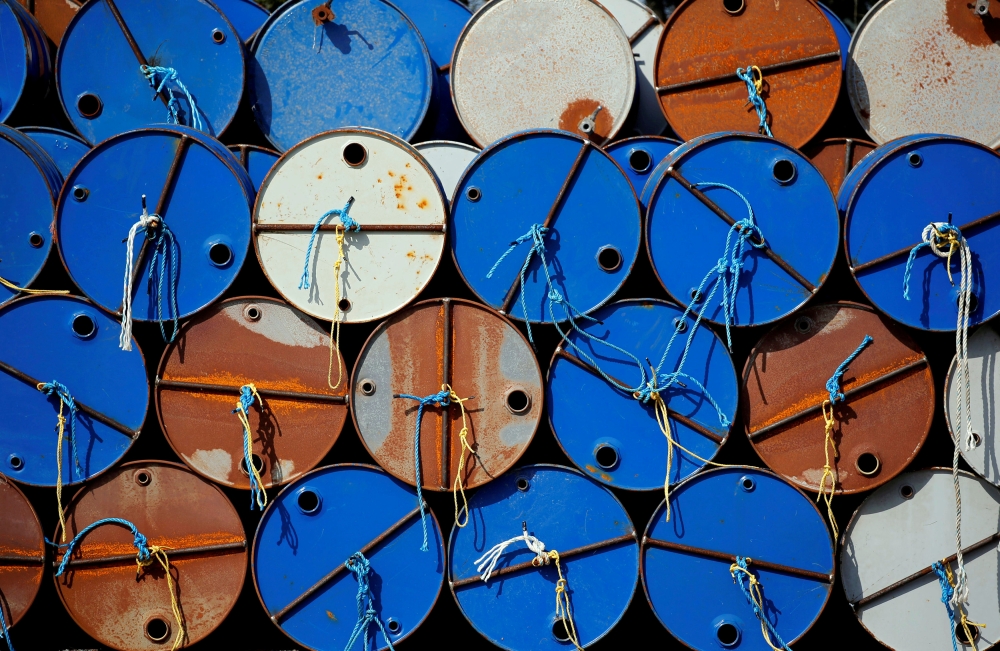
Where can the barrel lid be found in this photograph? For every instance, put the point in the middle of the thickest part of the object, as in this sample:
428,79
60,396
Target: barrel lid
334,512
448,160
705,41
365,64
639,156
396,201
53,15
583,521
687,226
527,64
836,157
895,536
893,195
246,16
257,161
926,66
195,524
483,357
984,344
843,34
65,148
643,29
557,180
192,181
589,416
716,516
22,552
68,340
283,353
15,61
886,413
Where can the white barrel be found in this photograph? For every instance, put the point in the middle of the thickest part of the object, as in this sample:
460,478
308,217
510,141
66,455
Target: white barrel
449,161
643,29
984,349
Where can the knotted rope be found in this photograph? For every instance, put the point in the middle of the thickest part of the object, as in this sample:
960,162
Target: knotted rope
173,112
754,79
458,486
753,591
248,394
367,616
4,630
66,401
836,395
948,584
145,555
165,253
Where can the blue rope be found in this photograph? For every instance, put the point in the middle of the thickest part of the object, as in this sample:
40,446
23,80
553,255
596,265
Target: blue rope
440,399
138,541
946,594
942,228
170,74
833,384
60,391
4,631
741,580
367,616
349,225
753,97
165,254
247,399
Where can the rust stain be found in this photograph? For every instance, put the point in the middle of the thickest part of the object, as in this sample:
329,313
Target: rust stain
411,254
320,175
423,203
581,109
975,30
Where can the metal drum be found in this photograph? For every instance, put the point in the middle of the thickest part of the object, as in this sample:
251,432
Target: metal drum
193,183
882,422
926,66
689,218
173,508
53,16
482,357
22,554
104,90
393,196
639,156
319,66
984,344
598,558
554,180
24,62
246,16
793,44
318,523
67,340
64,148
440,23
532,64
284,354
843,34
448,160
612,436
892,196
894,538
257,161
836,157
29,186
717,517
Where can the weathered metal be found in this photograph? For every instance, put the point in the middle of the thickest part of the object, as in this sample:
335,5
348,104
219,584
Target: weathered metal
483,357
926,66
843,33
246,16
530,64
397,202
449,160
301,580
836,157
53,16
984,344
65,149
193,522
882,422
892,195
22,553
893,539
257,161
705,41
716,516
639,156
285,355
598,556
25,67
367,66
608,433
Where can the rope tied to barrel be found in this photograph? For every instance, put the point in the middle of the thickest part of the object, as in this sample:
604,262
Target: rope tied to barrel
463,436
66,402
4,629
361,568
752,589
946,579
146,554
754,79
248,395
833,387
173,112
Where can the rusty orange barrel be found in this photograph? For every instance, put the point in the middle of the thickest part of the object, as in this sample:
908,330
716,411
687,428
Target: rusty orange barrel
835,157
22,555
53,15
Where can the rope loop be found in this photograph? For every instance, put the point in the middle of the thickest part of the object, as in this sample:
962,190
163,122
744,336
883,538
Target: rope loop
463,436
346,222
367,615
752,589
248,395
164,263
66,402
754,79
173,112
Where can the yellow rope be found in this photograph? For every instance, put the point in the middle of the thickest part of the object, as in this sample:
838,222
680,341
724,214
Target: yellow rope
828,471
335,324
37,292
160,554
249,447
969,638
562,604
59,455
458,487
758,600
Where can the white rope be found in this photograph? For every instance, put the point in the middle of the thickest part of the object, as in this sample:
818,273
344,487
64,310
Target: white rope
145,220
489,559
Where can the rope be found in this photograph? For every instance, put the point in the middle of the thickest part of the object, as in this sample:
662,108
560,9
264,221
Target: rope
4,630
66,401
33,292
754,79
145,555
170,74
753,591
367,616
165,252
248,394
457,486
562,604
948,585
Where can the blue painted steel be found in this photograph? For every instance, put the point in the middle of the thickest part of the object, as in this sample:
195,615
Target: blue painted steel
639,156
179,34
209,203
257,161
891,198
840,29
519,178
65,149
798,220
293,549
29,187
587,413
693,595
564,510
246,16
37,338
368,66
24,58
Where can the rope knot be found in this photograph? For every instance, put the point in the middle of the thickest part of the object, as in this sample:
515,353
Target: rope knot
249,395
754,79
347,222
752,590
173,112
367,615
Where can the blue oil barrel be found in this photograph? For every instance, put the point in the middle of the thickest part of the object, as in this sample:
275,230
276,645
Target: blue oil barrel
257,161
25,67
639,156
65,149
246,16
843,34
